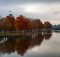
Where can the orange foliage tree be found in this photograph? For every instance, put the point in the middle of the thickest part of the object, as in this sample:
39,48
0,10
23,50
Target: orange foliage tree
1,23
37,24
22,23
10,21
29,24
47,25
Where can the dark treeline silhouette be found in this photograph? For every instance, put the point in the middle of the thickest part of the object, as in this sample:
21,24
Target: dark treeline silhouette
21,44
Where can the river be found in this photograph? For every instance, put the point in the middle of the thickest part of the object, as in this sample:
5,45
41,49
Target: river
40,45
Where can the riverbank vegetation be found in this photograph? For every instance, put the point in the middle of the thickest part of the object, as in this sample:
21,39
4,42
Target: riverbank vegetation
22,24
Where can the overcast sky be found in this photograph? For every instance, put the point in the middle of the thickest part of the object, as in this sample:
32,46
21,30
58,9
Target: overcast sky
42,9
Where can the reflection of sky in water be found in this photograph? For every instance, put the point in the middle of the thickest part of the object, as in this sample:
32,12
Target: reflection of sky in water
48,48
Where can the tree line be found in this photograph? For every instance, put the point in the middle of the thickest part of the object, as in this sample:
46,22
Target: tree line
10,23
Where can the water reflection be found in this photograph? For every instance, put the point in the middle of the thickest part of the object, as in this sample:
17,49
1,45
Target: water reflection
37,40
47,36
21,44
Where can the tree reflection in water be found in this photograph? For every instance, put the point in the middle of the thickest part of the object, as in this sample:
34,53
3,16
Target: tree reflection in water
21,44
47,35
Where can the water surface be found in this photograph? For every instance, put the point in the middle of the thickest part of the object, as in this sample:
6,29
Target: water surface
40,45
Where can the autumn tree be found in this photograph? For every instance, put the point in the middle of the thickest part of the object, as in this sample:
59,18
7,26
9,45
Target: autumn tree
1,26
9,22
29,24
37,24
47,25
1,23
19,22
22,23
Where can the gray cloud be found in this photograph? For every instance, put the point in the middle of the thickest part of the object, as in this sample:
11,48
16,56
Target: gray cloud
43,9
15,2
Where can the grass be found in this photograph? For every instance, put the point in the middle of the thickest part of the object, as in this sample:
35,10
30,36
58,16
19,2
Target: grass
15,33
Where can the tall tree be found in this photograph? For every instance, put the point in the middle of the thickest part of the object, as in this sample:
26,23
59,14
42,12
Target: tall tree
10,22
20,22
37,24
1,23
23,23
47,25
28,24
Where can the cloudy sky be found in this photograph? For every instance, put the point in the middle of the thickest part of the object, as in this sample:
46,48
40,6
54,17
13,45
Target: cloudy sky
46,10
